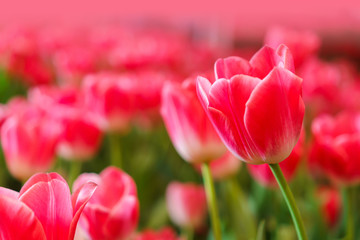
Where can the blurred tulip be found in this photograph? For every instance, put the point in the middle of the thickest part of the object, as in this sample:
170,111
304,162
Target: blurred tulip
335,149
163,234
43,209
80,137
110,98
302,44
323,81
29,143
244,99
262,173
189,128
20,56
113,211
73,63
186,204
330,204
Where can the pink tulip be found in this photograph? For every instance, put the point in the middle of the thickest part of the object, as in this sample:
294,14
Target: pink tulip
256,106
335,149
186,204
113,211
110,98
29,142
302,44
80,137
163,234
43,209
262,173
189,128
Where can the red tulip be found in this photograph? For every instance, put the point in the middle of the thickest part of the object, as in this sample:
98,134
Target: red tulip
29,142
43,209
113,211
189,128
336,148
80,137
302,44
263,174
256,106
163,234
186,204
109,96
330,204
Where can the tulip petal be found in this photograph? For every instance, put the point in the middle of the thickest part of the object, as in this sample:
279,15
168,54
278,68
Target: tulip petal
123,218
8,193
267,58
79,201
18,221
48,195
226,109
274,114
231,66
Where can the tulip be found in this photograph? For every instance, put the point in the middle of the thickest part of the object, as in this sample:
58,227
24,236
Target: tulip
163,234
186,204
336,148
262,173
109,96
302,44
80,137
43,209
190,130
257,109
29,142
330,204
242,102
113,211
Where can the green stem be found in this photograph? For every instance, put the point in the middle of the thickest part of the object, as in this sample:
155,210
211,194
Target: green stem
115,150
75,170
290,201
211,199
349,200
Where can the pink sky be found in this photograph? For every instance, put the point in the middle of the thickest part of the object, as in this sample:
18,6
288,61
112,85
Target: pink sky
248,17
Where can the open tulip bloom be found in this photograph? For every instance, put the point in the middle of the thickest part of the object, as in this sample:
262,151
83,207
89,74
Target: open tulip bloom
257,109
43,209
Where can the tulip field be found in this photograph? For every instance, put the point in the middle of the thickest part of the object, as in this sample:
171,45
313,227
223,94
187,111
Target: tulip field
133,133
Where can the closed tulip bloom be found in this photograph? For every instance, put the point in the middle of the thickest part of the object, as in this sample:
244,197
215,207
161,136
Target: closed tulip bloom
256,106
80,136
29,144
113,211
262,173
186,204
190,130
43,209
336,148
109,96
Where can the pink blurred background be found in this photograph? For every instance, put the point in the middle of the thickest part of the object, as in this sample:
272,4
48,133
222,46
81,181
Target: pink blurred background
247,18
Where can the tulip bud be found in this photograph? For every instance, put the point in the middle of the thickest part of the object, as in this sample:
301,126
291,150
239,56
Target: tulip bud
189,128
186,204
29,144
